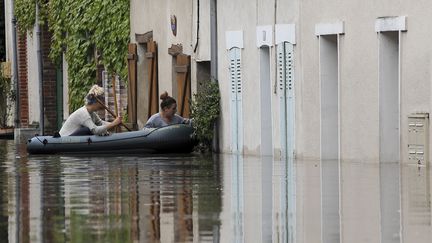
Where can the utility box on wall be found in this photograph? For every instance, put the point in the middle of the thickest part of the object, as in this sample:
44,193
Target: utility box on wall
418,138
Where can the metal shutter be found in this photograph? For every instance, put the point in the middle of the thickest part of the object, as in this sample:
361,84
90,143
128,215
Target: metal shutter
236,100
286,93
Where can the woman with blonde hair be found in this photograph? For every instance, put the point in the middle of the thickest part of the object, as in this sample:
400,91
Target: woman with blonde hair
167,116
85,121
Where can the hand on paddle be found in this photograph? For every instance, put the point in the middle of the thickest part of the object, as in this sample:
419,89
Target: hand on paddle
117,121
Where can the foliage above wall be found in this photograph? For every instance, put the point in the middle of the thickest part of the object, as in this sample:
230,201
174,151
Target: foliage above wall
87,32
205,109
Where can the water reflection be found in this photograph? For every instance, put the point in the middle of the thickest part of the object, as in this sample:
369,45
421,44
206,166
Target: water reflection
226,198
390,202
330,201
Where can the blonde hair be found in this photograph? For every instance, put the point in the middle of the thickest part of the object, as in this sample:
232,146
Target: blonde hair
95,91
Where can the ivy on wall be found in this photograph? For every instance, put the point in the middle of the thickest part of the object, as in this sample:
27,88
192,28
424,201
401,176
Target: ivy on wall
87,32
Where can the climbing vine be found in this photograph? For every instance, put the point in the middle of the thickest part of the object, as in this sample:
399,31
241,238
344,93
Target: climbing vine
87,32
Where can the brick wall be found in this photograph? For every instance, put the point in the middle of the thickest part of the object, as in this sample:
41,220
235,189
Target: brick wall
23,81
49,83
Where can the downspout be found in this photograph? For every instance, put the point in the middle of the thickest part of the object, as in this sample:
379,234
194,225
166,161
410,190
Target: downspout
214,64
213,40
40,69
15,77
198,25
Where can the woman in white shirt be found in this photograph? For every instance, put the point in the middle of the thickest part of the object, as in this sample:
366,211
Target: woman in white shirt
85,121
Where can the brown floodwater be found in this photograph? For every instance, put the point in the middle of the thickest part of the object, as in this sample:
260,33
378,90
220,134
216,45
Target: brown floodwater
219,198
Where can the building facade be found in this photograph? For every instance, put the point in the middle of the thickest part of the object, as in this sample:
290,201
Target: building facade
358,93
302,79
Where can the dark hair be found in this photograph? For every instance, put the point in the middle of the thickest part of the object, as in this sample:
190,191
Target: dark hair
167,100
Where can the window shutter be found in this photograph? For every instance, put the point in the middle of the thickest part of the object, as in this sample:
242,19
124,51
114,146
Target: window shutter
236,100
286,94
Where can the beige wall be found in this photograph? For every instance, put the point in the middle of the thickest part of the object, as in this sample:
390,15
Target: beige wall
358,65
359,108
358,70
253,14
147,16
33,79
8,30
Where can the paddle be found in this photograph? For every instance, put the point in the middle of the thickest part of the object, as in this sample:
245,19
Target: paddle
112,113
115,98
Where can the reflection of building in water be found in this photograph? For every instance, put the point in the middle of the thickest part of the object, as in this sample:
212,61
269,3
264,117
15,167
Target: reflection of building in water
416,204
284,201
23,202
7,197
70,199
259,202
51,199
178,202
171,205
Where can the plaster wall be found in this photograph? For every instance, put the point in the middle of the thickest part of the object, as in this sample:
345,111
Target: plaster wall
33,79
8,31
358,65
253,14
359,100
147,16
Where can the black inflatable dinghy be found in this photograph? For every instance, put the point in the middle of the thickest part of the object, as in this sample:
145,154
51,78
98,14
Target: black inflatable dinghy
170,139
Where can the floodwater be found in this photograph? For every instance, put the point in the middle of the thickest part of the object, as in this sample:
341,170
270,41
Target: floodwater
195,198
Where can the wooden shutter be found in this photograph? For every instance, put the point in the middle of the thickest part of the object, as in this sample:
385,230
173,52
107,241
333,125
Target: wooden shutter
151,54
183,84
132,87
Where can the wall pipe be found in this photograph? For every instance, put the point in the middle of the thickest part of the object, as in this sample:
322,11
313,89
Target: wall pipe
15,75
213,41
214,64
198,25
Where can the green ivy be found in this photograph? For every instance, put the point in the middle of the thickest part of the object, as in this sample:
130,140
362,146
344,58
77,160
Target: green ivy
87,32
6,93
25,11
205,110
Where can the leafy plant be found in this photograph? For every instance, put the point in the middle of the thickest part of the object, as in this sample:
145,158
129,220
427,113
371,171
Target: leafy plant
6,93
87,32
205,110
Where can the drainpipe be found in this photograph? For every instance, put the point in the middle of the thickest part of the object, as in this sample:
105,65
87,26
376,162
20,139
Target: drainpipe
214,64
213,40
15,77
40,69
198,24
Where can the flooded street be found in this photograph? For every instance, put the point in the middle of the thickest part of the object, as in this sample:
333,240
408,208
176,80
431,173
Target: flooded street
195,198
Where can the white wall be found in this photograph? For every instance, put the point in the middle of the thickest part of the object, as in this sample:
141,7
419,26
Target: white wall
329,96
389,96
359,83
358,65
33,79
8,30
147,16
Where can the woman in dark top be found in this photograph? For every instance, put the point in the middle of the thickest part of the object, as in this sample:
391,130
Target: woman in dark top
167,116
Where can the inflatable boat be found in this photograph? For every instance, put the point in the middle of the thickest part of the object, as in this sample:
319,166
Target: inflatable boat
171,139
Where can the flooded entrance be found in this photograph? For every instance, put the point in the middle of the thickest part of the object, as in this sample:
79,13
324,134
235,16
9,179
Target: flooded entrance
194,198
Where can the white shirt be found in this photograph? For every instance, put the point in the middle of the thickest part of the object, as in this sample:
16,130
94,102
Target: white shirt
83,118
